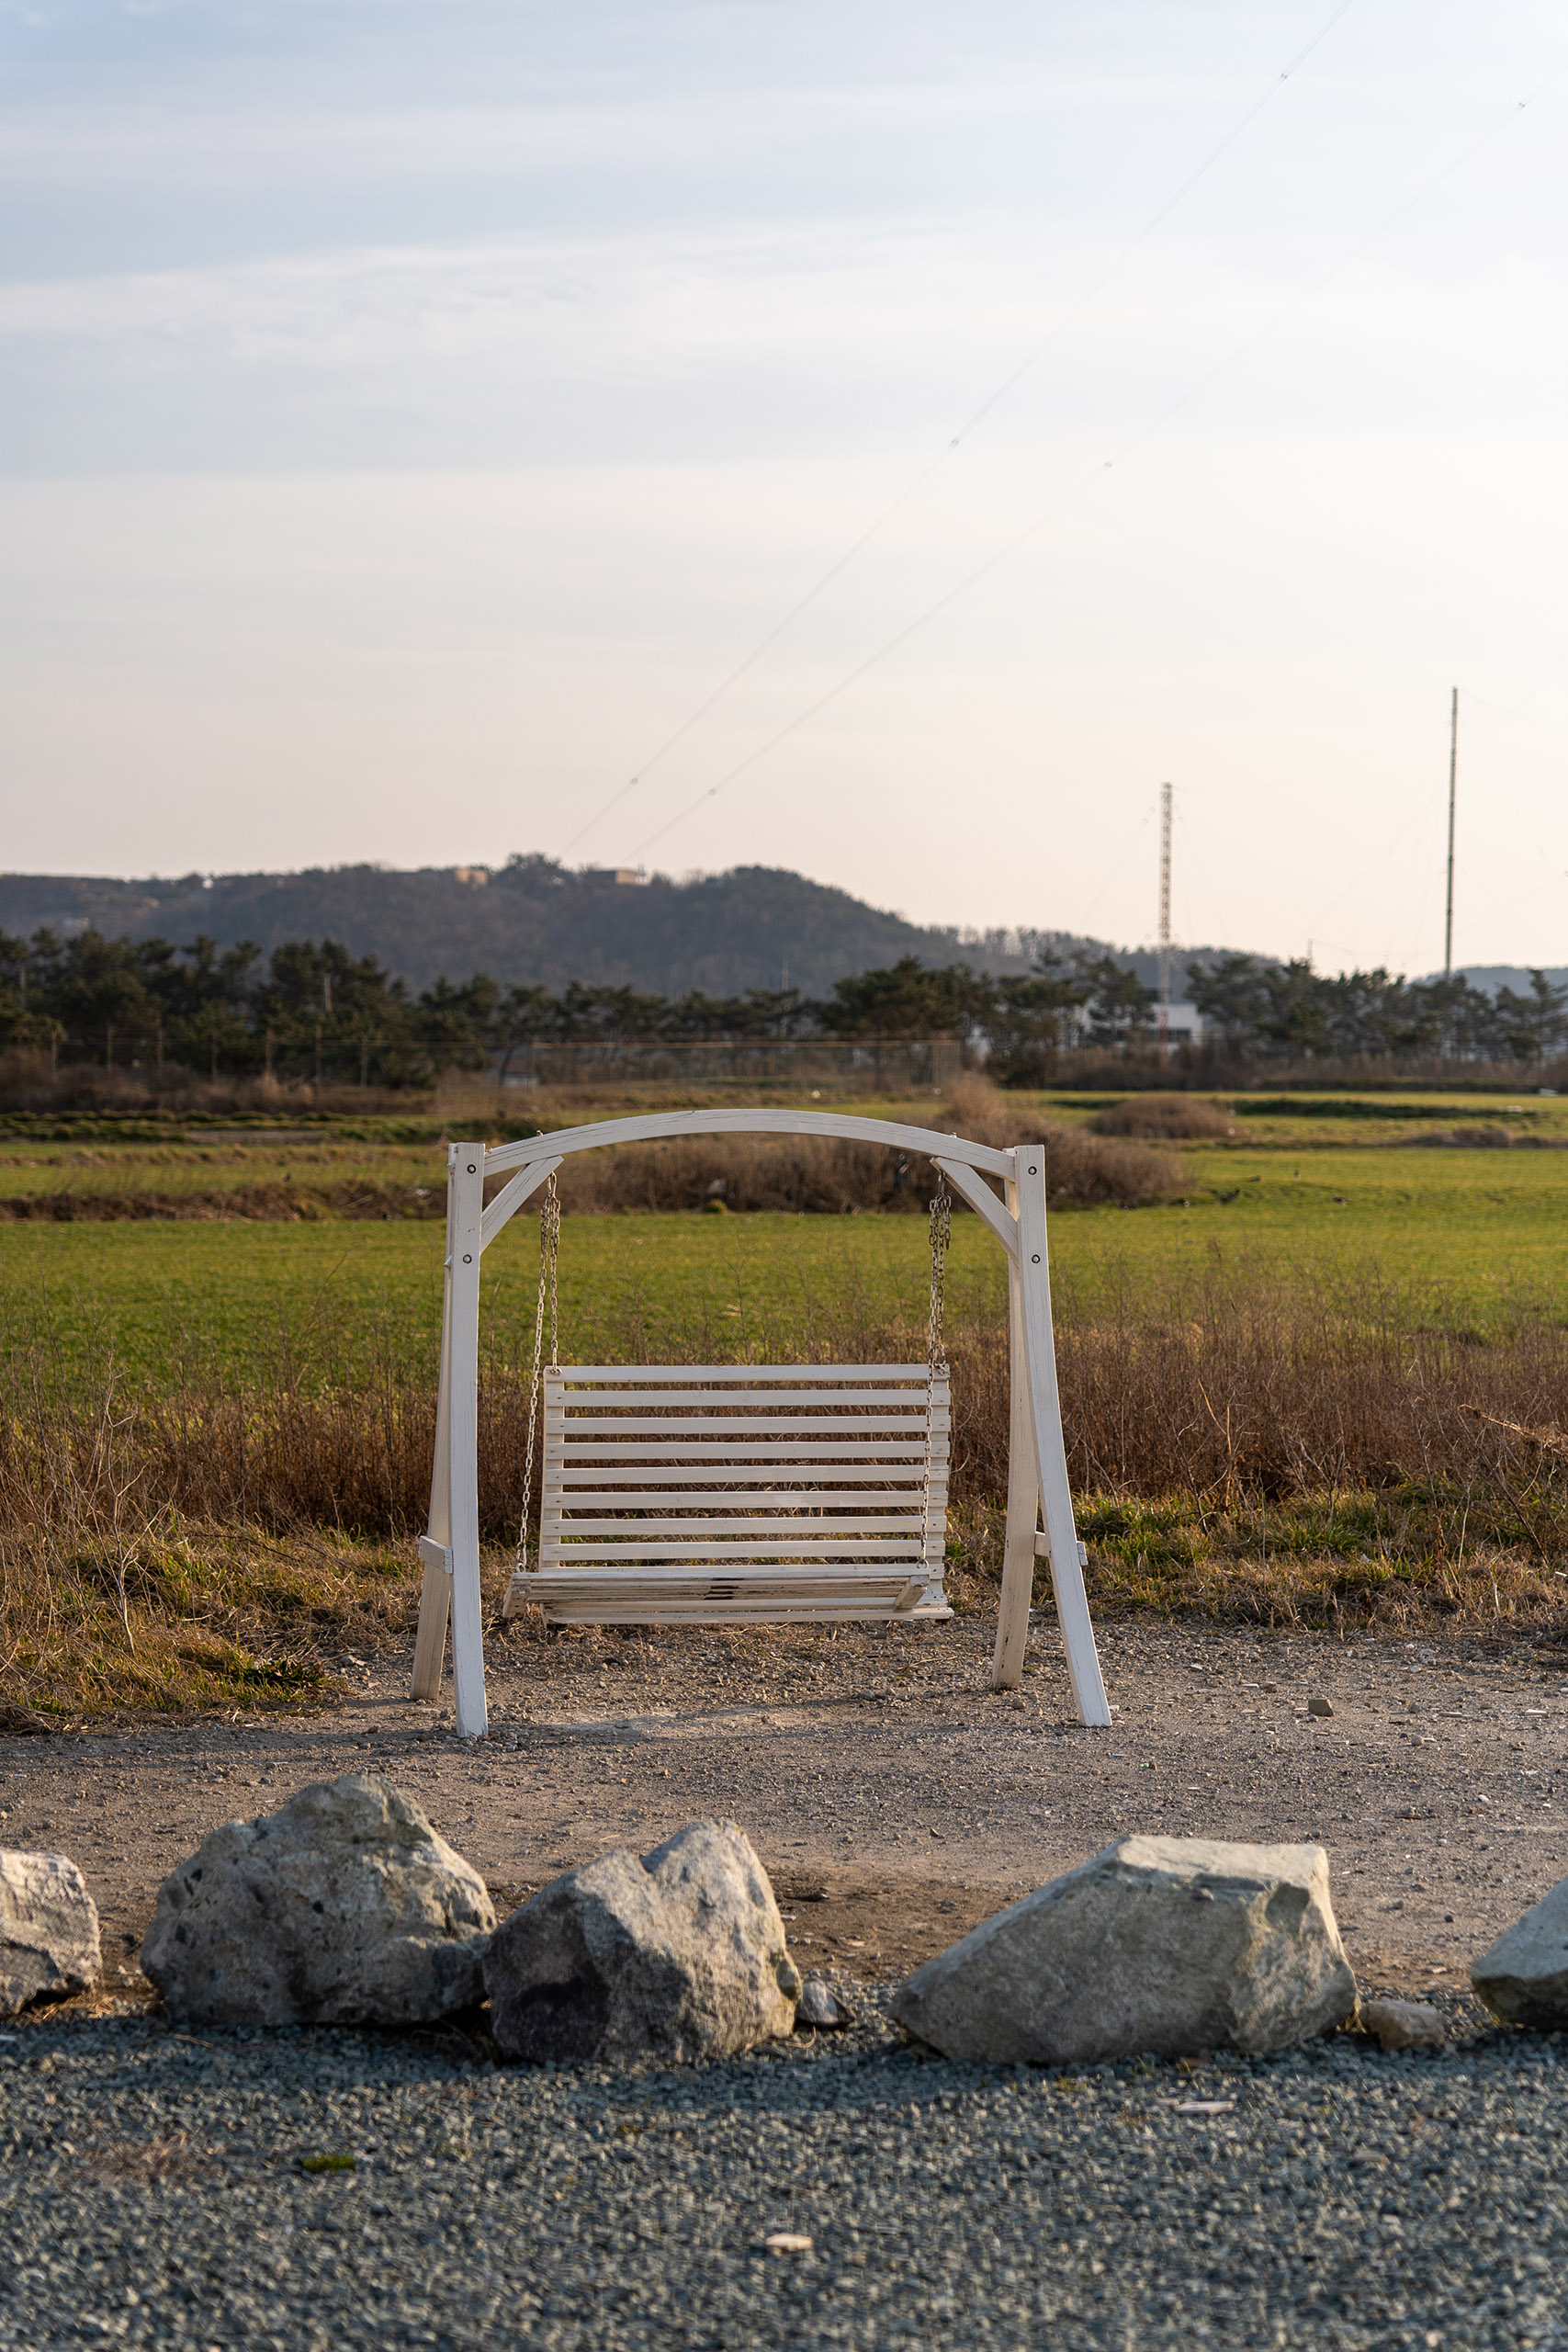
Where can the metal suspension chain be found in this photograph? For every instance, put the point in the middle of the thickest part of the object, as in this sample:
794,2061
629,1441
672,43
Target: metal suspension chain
941,1234
936,1344
549,1257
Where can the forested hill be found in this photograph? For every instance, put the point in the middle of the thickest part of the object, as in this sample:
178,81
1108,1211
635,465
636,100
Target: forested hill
531,920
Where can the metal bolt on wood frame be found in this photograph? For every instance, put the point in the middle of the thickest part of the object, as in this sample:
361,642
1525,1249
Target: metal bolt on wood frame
1037,1463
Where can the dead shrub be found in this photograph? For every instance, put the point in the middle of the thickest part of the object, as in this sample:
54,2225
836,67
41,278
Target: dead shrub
1167,1117
263,1201
218,1548
1081,1171
818,1175
28,1083
802,1174
1467,1139
982,1113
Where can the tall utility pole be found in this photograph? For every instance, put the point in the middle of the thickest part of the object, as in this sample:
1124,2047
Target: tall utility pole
1453,779
1164,916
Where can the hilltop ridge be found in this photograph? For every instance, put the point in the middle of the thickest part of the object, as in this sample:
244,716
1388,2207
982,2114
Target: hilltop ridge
533,921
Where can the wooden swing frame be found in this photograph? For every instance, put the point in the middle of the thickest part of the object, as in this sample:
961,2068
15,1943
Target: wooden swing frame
1037,1463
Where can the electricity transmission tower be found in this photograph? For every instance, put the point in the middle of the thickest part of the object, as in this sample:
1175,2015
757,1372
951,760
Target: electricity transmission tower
1164,916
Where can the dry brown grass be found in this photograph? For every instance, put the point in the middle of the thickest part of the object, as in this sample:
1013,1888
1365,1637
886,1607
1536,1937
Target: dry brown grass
1164,1118
265,1202
818,1175
813,1175
28,1083
1250,1451
1082,1170
810,1175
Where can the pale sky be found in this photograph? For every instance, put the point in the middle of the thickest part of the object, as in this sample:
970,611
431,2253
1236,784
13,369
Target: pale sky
410,413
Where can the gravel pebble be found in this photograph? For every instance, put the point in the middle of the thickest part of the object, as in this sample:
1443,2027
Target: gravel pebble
153,2192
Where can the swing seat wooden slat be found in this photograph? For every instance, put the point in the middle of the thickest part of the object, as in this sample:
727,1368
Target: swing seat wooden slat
823,1516
743,1375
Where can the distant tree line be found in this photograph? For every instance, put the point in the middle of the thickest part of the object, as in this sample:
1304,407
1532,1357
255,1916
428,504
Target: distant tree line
1258,1011
311,1010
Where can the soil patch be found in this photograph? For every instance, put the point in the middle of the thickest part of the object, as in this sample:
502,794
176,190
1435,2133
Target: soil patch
895,1800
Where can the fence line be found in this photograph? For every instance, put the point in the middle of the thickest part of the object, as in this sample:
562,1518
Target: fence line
876,1065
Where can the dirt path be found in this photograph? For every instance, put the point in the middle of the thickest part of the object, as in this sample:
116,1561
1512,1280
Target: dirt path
894,1798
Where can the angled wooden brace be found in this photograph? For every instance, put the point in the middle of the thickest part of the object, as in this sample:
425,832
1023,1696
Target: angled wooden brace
1032,1326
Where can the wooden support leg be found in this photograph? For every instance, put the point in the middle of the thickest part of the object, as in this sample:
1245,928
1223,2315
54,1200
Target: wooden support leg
430,1642
468,1629
1050,1454
436,1594
1023,1499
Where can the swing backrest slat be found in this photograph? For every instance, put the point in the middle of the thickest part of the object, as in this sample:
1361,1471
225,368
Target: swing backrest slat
740,1375
668,1488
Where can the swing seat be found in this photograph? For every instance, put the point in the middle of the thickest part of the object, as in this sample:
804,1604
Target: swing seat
749,1494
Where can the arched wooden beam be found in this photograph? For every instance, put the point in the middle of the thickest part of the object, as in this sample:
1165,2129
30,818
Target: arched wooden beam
927,1141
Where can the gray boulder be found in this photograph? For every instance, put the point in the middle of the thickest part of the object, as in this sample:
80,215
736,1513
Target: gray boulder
344,1907
49,1932
677,1954
1171,1946
1523,1978
821,2004
1404,2025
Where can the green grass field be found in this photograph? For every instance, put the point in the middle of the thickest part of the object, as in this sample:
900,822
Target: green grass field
1466,1239
258,1528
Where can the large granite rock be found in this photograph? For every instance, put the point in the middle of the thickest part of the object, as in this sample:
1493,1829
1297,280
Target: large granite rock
1523,1978
49,1932
1166,1945
343,1908
678,1953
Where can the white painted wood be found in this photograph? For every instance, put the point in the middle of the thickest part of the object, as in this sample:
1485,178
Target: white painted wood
745,1606
1023,1499
1042,1549
838,1547
434,1555
511,1197
610,1427
721,1550
760,1424
717,1450
797,1581
435,1591
657,1474
814,1613
1050,1454
648,1375
847,1128
784,1576
738,1402
467,1632
980,1197
822,1527
828,1499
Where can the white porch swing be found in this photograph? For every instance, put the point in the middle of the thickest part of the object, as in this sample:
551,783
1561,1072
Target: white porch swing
746,1492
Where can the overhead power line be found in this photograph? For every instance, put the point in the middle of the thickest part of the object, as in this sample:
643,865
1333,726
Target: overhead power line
1097,473
976,417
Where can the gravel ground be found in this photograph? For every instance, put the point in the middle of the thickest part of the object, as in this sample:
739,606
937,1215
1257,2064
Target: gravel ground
152,2192
150,2189
889,1777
